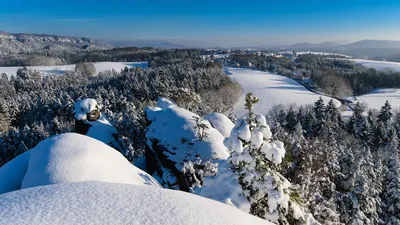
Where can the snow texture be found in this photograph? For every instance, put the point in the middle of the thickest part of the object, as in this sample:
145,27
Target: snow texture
68,158
221,123
271,89
93,202
224,187
57,70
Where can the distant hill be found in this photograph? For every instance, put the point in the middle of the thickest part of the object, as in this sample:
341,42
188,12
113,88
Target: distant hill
372,44
313,46
358,49
20,42
146,43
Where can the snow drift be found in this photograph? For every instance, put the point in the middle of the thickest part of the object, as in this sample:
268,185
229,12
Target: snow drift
93,202
68,158
221,123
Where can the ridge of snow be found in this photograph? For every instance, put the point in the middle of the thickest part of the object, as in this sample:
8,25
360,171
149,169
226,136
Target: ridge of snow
93,202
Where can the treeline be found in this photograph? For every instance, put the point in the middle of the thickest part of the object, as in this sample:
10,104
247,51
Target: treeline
33,107
156,57
347,172
334,76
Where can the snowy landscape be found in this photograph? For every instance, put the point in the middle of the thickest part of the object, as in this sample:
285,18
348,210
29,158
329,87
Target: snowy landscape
206,113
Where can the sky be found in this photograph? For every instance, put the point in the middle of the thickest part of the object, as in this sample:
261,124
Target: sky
224,23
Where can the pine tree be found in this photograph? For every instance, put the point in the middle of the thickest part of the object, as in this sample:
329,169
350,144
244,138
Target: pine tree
320,120
356,123
385,114
391,193
256,158
291,119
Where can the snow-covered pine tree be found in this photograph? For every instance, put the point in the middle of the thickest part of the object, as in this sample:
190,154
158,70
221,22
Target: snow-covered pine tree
391,189
320,120
383,128
355,125
256,158
385,114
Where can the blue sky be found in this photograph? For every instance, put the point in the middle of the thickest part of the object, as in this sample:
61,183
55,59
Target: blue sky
191,22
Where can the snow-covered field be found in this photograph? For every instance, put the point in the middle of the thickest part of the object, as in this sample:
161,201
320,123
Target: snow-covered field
272,90
377,98
54,70
378,65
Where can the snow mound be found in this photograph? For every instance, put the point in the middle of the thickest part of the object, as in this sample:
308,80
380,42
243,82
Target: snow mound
221,123
102,130
68,158
175,129
164,103
105,203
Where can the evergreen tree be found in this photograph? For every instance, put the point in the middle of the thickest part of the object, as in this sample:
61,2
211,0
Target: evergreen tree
385,114
291,119
356,123
320,119
391,191
256,158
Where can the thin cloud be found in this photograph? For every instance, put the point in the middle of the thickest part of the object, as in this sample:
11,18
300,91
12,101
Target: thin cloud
23,13
68,20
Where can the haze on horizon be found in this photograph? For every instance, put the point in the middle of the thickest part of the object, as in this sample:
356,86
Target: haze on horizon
207,23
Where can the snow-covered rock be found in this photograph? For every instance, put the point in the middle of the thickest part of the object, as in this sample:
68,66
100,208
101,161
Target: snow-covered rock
221,123
68,158
86,109
173,139
93,123
165,103
93,202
